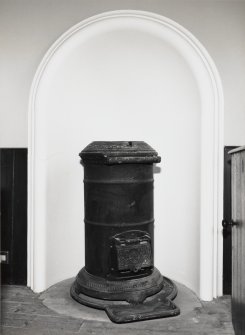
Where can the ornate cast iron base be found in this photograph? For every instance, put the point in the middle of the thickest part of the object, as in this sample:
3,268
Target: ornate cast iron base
134,290
127,301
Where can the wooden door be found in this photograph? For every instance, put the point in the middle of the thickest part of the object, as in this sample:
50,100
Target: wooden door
238,240
13,210
227,216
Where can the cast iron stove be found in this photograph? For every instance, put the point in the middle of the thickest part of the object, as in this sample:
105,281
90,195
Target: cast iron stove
119,274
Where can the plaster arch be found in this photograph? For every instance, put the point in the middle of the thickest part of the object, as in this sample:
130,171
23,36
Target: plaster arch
55,121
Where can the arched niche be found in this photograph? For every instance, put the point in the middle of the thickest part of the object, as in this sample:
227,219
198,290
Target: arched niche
128,75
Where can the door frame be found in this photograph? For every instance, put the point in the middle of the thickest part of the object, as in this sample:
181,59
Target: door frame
227,217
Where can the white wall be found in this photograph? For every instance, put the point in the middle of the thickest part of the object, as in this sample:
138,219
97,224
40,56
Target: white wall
118,79
29,27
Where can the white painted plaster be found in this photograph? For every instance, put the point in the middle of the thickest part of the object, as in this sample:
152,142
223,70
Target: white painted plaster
29,27
127,75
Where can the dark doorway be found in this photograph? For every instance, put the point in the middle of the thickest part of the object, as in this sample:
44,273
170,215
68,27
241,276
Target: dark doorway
13,206
226,219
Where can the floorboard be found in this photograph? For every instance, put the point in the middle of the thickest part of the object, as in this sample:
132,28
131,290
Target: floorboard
23,313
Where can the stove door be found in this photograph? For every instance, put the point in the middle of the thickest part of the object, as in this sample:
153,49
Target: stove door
131,254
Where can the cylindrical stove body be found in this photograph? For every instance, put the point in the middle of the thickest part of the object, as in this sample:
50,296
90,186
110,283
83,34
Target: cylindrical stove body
119,219
118,203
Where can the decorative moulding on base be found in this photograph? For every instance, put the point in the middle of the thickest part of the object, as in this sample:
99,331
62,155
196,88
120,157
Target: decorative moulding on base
159,305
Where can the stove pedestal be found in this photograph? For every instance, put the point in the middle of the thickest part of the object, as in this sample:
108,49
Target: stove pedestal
158,305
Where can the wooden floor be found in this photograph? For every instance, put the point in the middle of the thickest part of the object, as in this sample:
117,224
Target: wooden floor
23,313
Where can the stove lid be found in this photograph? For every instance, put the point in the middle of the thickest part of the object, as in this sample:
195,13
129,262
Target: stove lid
119,152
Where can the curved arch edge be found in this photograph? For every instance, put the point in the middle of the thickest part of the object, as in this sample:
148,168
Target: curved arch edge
211,250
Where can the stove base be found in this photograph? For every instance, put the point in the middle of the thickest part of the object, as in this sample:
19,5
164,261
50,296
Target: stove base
159,305
134,290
